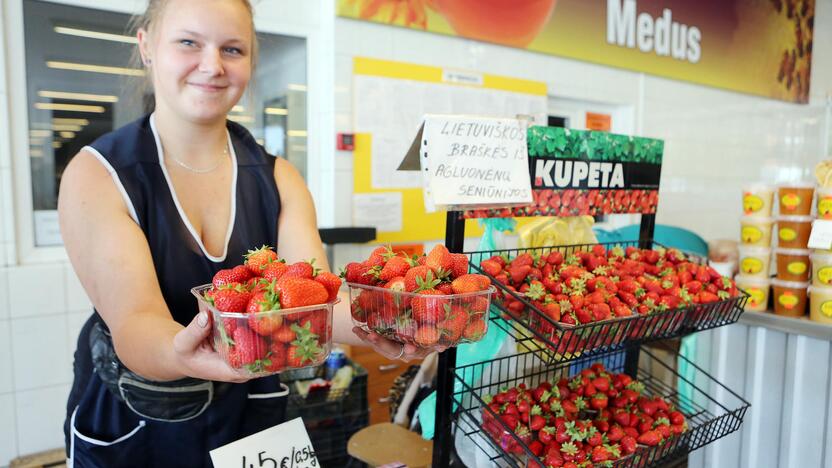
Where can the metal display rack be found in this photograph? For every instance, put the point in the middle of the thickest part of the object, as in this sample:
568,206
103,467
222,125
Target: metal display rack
618,342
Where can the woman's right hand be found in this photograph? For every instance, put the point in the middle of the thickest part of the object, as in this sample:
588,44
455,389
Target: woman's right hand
198,358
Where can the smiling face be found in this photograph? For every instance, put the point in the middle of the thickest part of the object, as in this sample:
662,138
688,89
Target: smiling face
200,54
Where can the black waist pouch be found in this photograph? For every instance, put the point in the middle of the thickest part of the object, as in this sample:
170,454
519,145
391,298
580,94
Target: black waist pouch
173,401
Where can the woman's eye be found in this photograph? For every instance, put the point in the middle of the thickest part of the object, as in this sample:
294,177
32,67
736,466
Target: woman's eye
186,42
233,50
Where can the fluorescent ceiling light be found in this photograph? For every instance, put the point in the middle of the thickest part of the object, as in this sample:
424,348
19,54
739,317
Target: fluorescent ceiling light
297,87
35,152
276,111
94,68
62,121
56,144
69,135
241,118
96,35
67,128
40,133
69,107
78,96
238,109
296,133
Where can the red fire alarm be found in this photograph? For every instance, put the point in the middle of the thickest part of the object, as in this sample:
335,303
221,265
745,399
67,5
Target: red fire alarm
345,142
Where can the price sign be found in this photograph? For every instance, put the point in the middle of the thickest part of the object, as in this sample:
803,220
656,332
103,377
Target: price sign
821,236
474,162
286,445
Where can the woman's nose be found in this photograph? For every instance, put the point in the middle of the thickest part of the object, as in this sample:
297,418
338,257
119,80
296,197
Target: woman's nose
211,63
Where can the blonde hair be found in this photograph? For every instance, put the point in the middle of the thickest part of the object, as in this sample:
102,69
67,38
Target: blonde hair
151,18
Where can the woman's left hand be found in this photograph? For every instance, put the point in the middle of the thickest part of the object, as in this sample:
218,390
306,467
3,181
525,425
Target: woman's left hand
394,350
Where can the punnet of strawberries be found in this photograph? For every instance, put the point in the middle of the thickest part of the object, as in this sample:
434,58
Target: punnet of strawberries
597,284
591,419
269,316
429,300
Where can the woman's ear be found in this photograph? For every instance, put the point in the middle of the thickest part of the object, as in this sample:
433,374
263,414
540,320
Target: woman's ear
143,38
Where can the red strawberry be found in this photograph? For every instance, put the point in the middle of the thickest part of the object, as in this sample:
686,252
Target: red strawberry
358,273
600,454
277,358
299,292
331,282
439,259
284,334
426,309
460,265
676,418
249,346
257,259
426,336
491,267
231,298
259,320
299,356
519,273
650,438
274,270
301,270
474,330
396,284
598,401
615,433
315,322
536,447
454,324
396,266
238,274
445,288
469,283
420,277
628,445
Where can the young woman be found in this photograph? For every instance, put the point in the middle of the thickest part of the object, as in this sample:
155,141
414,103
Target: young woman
157,207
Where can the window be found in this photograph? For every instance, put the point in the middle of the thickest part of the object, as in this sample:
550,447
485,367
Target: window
80,85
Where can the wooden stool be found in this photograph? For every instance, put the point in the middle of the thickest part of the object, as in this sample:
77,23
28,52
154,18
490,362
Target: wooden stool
388,443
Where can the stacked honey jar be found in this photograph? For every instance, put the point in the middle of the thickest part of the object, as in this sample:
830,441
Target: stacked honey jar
796,265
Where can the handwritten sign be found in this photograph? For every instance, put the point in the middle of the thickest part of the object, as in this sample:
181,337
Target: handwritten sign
474,162
821,236
286,445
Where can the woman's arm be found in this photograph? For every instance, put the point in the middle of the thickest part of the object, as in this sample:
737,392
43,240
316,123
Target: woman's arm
298,239
112,259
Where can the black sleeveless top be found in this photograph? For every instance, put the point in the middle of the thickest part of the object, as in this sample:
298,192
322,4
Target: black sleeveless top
133,155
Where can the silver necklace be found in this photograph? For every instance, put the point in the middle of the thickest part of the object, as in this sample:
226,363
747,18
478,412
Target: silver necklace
204,171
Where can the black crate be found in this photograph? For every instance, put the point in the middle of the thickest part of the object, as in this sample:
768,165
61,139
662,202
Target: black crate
568,342
708,417
332,417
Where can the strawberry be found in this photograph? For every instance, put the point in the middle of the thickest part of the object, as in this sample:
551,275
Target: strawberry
298,356
469,283
676,417
277,357
536,447
615,433
474,330
238,274
426,336
315,322
519,273
274,270
650,438
420,277
454,324
231,298
299,292
426,309
395,266
439,260
358,273
257,259
598,401
600,454
459,265
284,334
445,288
259,321
331,282
396,284
491,267
301,270
628,445
250,347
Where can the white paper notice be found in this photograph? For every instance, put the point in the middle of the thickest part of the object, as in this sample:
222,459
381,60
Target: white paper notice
286,445
475,161
380,210
821,236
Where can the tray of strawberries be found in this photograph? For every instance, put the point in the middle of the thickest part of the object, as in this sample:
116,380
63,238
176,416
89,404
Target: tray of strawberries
269,316
589,412
577,300
431,301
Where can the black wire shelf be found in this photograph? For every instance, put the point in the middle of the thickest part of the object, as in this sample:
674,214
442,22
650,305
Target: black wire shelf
711,409
555,341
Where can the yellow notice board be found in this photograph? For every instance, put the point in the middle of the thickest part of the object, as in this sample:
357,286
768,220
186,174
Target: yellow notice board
389,100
